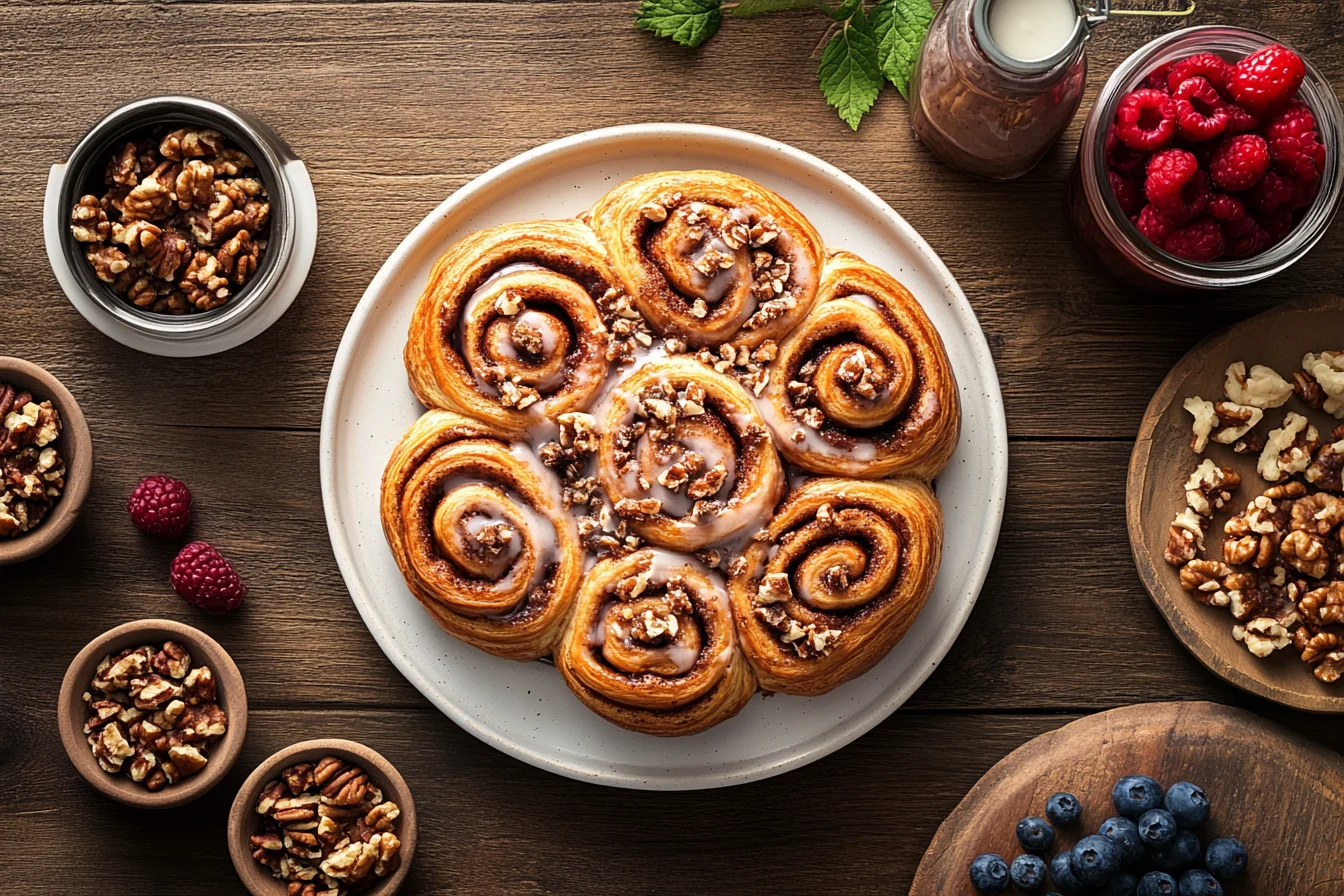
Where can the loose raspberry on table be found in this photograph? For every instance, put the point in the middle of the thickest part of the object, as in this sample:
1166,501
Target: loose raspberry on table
1294,145
1176,185
1200,111
204,579
1145,120
1121,158
1200,241
160,505
1209,66
1271,193
1128,192
1154,225
1239,162
1266,78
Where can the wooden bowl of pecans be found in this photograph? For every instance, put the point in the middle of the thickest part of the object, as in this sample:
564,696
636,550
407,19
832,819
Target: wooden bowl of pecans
323,818
153,713
23,533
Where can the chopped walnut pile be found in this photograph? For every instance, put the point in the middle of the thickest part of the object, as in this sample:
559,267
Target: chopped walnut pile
153,715
750,367
182,225
806,640
32,471
326,829
1281,570
629,331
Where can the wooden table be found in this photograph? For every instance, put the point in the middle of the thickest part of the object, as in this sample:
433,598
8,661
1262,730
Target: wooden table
393,106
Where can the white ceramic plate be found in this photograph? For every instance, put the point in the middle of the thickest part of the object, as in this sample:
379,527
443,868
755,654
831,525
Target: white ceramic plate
524,708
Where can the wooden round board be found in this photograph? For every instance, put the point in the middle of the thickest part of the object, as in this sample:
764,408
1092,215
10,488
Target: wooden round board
1162,462
1278,793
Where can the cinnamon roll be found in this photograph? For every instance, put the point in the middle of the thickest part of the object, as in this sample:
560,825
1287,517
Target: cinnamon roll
476,526
710,257
652,646
684,457
508,329
863,387
847,566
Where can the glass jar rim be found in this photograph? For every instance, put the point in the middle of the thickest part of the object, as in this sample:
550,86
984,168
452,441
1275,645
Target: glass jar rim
1116,226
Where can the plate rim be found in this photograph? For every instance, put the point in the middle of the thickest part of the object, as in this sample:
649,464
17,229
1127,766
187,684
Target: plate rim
1136,478
981,358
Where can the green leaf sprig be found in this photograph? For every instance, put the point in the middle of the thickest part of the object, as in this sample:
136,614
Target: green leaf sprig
866,49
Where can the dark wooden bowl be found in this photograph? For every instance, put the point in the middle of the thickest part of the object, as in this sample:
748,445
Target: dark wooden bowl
244,822
72,713
1162,461
76,446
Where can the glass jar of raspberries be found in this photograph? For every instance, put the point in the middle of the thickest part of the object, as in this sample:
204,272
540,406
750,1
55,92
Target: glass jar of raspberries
1211,159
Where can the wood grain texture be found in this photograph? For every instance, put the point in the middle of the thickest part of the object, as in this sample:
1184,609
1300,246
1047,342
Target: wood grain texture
393,106
1162,462
1281,795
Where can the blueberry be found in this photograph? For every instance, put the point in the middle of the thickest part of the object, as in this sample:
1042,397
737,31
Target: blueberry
1225,858
989,873
1095,860
1199,883
1156,883
1123,884
1157,827
1035,835
1061,872
1063,809
1125,835
1181,853
1028,872
1188,804
1136,794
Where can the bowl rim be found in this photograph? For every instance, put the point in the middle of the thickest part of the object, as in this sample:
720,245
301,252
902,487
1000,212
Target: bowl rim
78,445
256,877
223,754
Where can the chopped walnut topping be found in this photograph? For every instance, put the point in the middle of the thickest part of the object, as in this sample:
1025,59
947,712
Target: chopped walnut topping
509,303
773,589
654,212
638,508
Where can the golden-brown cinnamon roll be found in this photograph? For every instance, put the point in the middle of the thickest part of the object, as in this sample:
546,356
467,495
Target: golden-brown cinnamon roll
508,329
846,569
710,257
863,386
652,646
477,528
684,456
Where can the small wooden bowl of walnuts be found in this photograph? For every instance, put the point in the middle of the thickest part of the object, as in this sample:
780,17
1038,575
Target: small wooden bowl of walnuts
323,818
153,713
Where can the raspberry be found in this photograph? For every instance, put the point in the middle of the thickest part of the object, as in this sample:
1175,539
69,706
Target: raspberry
1128,192
1145,120
1304,194
1120,157
1199,110
1278,224
160,505
1239,120
1231,214
1154,225
1209,66
1273,192
1253,243
1176,185
1239,162
1157,78
1200,241
1293,143
1266,78
206,580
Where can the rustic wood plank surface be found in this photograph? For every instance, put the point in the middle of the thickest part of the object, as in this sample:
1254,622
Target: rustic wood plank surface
393,106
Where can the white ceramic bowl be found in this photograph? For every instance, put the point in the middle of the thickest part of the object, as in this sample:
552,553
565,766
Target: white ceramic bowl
524,708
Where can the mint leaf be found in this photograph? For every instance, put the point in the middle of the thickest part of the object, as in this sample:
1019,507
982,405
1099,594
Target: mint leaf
688,22
748,8
899,27
849,72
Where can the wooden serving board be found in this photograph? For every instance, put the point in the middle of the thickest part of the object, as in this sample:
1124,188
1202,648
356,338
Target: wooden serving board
1162,462
1280,794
